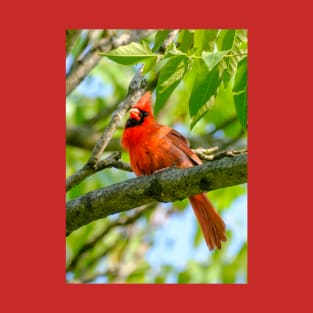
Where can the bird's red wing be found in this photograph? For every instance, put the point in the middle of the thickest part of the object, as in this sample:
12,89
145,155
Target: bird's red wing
183,144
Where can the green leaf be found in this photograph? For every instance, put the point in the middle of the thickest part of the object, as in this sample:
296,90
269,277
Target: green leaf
211,59
199,41
211,36
148,64
170,76
80,44
204,40
160,36
241,76
185,40
172,51
202,112
241,108
184,277
231,40
240,92
130,54
226,39
204,87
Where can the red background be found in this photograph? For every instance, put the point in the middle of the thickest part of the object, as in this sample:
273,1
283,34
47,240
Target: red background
33,158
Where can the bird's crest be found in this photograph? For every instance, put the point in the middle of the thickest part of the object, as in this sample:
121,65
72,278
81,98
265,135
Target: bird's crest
144,103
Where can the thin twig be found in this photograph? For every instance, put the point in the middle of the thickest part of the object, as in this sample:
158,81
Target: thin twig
170,38
85,66
87,170
71,36
205,154
208,154
122,166
135,91
229,153
88,61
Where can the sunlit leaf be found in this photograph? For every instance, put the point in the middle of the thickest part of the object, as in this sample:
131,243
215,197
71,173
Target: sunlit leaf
160,36
226,39
170,76
80,44
240,84
130,54
240,92
185,40
204,87
204,40
231,39
211,59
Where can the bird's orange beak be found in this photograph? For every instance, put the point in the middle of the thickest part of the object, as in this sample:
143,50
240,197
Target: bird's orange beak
134,114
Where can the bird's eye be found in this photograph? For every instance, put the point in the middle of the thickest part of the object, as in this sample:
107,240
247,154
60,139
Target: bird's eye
144,114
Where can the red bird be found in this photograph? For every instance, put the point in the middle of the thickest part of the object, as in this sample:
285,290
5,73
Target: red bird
152,147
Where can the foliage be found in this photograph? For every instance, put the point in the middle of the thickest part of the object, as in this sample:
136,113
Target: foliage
210,57
199,79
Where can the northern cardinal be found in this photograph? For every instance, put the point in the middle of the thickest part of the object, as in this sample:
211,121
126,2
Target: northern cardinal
152,147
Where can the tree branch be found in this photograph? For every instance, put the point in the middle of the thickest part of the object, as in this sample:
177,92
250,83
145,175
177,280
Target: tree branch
71,36
89,62
91,59
135,92
165,186
113,160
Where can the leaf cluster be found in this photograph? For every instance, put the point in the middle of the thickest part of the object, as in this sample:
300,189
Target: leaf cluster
201,59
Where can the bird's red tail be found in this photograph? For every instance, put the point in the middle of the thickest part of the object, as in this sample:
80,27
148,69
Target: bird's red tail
212,225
